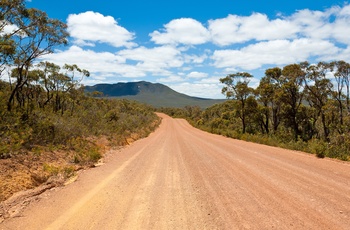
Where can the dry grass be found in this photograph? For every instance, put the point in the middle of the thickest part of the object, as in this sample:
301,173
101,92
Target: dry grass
31,169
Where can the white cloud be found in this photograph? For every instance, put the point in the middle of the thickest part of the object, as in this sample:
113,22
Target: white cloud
341,29
8,29
236,29
276,52
205,90
171,79
94,27
210,80
329,24
138,62
87,58
98,63
196,59
181,31
196,74
155,60
344,55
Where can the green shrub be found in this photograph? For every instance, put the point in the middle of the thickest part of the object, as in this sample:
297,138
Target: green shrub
317,147
85,152
52,170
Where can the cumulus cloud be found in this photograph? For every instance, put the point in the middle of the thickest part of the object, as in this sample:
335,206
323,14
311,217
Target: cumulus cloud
87,58
90,27
155,60
344,54
237,29
98,63
276,52
185,31
329,24
210,80
314,24
138,62
198,89
8,29
171,79
196,74
196,59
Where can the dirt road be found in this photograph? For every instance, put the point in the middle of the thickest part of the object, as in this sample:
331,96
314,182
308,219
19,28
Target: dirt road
183,178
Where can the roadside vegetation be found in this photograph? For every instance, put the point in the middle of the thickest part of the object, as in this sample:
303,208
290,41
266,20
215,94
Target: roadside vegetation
49,128
302,107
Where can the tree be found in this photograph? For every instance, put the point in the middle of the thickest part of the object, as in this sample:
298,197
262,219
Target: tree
48,73
268,96
58,84
35,35
10,12
237,88
265,94
291,83
67,83
317,89
343,71
193,112
342,80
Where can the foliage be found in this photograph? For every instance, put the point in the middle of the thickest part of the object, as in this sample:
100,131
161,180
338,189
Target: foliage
34,34
238,89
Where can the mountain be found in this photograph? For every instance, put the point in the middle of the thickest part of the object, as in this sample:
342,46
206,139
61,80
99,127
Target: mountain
155,94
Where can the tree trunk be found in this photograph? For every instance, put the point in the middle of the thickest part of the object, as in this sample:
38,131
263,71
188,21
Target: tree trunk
325,128
12,97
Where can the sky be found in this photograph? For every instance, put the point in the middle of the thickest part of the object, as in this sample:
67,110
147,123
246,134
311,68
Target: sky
189,45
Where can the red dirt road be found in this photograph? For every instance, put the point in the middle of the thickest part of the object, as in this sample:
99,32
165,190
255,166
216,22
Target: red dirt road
182,178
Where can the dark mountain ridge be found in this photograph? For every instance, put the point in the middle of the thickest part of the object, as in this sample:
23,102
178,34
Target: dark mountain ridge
154,94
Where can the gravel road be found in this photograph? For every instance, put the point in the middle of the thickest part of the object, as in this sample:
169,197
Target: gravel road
183,178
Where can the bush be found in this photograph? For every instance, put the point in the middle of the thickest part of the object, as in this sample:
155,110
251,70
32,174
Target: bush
85,152
317,147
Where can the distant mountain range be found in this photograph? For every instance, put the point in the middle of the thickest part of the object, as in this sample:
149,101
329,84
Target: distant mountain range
155,94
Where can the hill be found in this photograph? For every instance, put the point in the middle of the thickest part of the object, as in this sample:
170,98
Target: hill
155,94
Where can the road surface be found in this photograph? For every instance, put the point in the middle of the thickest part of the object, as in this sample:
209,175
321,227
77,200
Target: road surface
183,178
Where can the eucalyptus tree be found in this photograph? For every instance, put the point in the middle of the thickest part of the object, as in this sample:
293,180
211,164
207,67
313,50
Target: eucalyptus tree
317,89
67,85
343,71
292,95
268,95
341,90
34,35
10,12
237,88
60,84
48,73
30,95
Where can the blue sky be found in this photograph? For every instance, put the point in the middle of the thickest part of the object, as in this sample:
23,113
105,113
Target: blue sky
189,45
